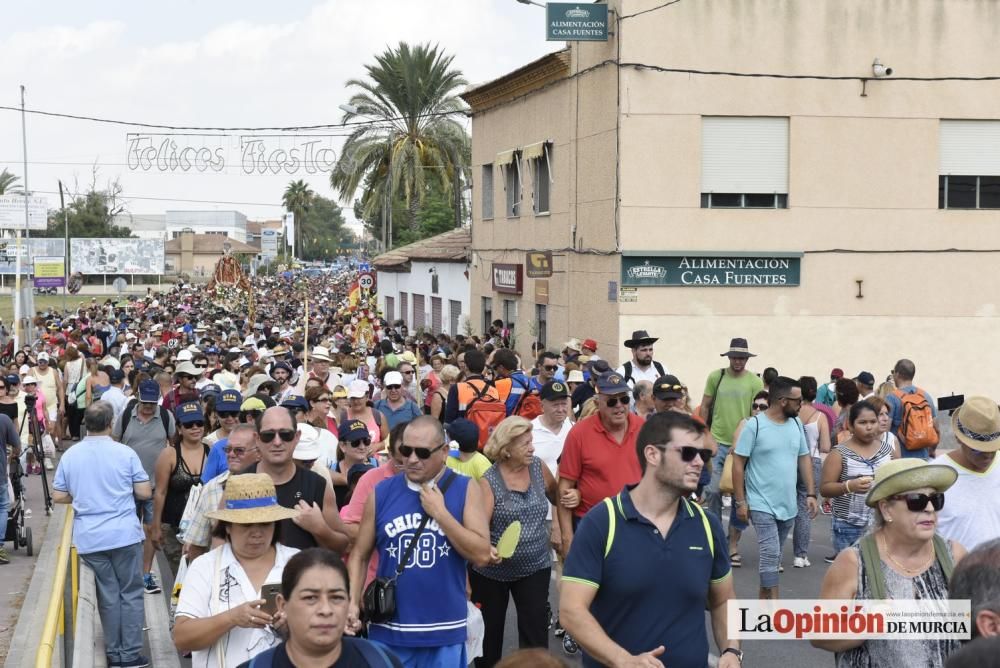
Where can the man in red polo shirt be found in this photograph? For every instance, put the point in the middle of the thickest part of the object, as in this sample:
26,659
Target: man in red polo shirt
596,458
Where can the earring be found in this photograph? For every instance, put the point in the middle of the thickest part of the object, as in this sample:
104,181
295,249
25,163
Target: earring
888,520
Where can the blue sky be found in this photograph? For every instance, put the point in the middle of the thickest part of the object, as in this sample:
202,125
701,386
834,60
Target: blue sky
217,62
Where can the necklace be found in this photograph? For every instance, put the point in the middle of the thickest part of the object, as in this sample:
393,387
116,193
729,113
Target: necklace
909,571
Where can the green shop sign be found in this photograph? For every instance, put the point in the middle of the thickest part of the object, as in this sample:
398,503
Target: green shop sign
576,22
731,270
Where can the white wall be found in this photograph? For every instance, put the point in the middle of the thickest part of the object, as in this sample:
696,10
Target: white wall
453,285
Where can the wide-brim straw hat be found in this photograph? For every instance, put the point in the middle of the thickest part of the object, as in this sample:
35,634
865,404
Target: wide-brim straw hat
251,499
905,475
977,424
321,353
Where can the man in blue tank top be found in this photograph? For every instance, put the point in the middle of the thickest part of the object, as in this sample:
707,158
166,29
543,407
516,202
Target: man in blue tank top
428,627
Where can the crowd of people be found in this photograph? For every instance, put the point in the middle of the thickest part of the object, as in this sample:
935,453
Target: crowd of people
324,500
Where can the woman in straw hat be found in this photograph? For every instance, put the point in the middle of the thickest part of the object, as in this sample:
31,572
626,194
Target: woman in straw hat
219,616
900,558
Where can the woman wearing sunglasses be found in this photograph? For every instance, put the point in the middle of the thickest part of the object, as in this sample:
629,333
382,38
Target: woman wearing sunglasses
178,469
353,449
849,472
903,545
736,527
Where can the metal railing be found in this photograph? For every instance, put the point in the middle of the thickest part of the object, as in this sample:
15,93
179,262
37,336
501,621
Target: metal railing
60,615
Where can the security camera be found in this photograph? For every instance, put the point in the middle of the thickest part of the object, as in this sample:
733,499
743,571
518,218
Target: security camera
880,70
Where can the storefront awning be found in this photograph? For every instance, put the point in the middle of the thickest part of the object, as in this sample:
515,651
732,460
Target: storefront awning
505,158
534,151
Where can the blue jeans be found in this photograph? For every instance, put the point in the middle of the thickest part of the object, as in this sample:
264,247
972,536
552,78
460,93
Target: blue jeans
713,498
118,574
845,534
4,509
771,535
803,522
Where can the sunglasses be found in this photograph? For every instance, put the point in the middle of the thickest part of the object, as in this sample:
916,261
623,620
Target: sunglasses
688,452
421,453
760,407
200,366
918,502
197,424
185,376
551,368
614,401
229,414
407,373
286,435
230,450
364,442
393,387
324,399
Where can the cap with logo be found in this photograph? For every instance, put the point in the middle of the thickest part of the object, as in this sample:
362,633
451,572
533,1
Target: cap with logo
353,430
554,389
668,387
229,400
612,383
189,411
295,401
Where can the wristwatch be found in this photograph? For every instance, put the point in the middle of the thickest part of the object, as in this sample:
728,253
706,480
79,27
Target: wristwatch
737,652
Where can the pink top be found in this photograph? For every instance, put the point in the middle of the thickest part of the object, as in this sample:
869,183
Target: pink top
355,508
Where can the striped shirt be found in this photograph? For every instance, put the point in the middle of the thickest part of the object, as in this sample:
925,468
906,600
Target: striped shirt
851,507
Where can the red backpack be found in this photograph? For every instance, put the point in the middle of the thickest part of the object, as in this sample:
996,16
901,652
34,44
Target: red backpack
529,406
916,427
483,407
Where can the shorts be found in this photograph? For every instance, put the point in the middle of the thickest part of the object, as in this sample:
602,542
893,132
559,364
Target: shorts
145,511
53,413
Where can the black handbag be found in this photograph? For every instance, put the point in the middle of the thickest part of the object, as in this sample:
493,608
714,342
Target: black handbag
380,596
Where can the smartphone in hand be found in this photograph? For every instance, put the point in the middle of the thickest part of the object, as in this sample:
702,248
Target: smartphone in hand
269,592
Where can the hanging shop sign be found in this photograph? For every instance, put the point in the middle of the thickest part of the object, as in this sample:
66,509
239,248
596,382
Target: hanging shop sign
718,269
576,22
538,264
508,278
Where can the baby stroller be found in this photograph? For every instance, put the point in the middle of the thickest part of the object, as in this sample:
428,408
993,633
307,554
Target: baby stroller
17,532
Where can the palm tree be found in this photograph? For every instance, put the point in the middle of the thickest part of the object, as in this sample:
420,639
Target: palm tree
414,136
298,199
7,181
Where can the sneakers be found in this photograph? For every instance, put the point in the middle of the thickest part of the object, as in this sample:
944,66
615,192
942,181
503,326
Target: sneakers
149,584
138,662
570,646
4,557
801,562
48,464
781,569
830,559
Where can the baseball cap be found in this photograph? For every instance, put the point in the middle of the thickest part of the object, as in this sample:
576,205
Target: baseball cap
13,379
116,376
598,367
668,387
230,400
295,401
589,344
339,392
866,378
149,391
837,373
190,411
612,383
43,357
465,433
307,448
352,430
253,404
393,378
29,380
358,389
554,389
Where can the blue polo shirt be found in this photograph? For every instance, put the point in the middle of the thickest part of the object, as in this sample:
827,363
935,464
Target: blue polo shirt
896,415
407,412
651,590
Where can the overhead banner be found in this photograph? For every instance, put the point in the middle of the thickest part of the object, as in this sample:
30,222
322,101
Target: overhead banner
50,272
39,248
576,22
117,256
719,269
12,212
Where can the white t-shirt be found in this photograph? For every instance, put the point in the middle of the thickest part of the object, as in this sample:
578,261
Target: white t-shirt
549,446
114,396
650,374
234,589
966,518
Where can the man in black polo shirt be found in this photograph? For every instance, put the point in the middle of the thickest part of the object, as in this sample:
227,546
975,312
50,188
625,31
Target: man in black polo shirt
634,589
318,523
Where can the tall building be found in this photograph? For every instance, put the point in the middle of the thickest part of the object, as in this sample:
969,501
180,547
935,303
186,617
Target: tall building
750,168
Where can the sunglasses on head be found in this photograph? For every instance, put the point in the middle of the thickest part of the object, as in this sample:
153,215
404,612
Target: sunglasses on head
231,450
286,435
229,414
689,452
918,502
197,424
361,442
421,453
760,407
622,399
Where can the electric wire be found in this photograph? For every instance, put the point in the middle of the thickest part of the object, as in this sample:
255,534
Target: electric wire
647,11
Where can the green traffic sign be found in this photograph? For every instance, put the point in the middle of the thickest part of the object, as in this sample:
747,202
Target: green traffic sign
576,22
711,269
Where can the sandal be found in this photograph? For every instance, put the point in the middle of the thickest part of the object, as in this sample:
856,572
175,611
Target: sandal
735,560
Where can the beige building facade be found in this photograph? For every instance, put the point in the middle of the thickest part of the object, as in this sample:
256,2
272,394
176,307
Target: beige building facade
833,217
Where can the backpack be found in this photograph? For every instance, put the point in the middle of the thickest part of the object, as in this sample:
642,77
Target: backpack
916,427
628,370
485,409
529,406
868,549
127,416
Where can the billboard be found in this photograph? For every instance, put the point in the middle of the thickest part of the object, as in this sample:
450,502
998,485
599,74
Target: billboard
39,248
117,256
12,212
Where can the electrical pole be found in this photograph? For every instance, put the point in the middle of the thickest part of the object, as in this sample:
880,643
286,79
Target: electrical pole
62,205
